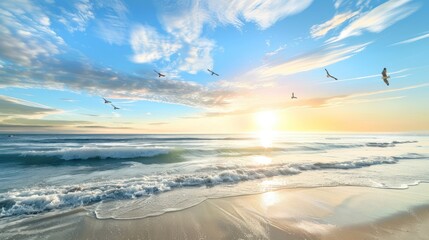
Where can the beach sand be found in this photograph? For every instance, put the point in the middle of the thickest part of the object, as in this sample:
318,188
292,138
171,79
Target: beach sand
303,213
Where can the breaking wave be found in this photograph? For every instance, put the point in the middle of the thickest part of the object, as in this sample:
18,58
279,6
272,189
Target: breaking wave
41,199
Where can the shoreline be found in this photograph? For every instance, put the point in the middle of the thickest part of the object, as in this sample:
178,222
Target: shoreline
343,212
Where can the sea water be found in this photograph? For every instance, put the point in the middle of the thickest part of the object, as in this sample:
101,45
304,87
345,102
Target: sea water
135,176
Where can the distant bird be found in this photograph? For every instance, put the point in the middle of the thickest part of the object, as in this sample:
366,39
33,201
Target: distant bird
159,74
329,75
114,107
293,96
384,76
212,73
106,101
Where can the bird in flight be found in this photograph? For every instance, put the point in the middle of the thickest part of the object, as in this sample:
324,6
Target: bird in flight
114,107
384,76
106,101
329,75
213,73
293,96
159,74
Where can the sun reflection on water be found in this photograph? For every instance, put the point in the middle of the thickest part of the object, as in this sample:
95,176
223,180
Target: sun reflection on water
262,160
270,198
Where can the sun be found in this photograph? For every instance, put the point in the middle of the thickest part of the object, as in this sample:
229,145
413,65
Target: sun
266,120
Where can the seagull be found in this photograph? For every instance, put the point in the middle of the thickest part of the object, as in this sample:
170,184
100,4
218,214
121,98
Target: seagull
106,101
213,73
159,74
293,96
114,107
384,76
329,75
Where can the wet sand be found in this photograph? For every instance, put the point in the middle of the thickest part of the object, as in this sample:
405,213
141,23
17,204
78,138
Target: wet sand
305,213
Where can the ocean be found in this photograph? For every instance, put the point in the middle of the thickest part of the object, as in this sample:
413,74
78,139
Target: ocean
135,176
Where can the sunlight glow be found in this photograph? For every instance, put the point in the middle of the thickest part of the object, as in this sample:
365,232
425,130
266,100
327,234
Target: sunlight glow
262,160
266,138
270,198
266,121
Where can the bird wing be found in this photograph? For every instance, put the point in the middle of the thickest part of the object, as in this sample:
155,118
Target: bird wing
326,71
386,81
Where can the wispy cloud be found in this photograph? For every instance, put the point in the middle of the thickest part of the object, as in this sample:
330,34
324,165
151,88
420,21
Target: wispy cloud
377,19
158,123
321,30
365,77
263,13
199,56
184,21
325,56
112,26
279,49
317,102
148,45
77,18
13,107
26,34
426,35
53,74
69,100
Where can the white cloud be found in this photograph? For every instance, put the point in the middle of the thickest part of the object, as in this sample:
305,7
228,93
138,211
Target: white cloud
199,57
184,21
45,21
25,33
279,49
321,30
266,13
412,39
78,18
337,3
14,107
263,13
316,59
377,19
148,45
112,26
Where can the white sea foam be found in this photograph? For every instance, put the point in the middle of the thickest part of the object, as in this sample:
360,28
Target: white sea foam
41,199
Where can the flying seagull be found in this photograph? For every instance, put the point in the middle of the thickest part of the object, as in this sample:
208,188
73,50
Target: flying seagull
213,73
384,76
114,107
329,75
106,101
293,96
159,74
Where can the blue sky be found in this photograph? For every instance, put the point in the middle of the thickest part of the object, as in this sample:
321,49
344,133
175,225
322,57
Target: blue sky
59,58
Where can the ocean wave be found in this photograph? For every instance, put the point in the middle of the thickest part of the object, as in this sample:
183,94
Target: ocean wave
84,153
42,199
109,139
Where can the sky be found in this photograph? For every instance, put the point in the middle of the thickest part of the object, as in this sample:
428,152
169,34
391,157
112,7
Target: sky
59,59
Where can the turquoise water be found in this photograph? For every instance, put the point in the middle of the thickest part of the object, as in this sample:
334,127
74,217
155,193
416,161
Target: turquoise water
131,176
